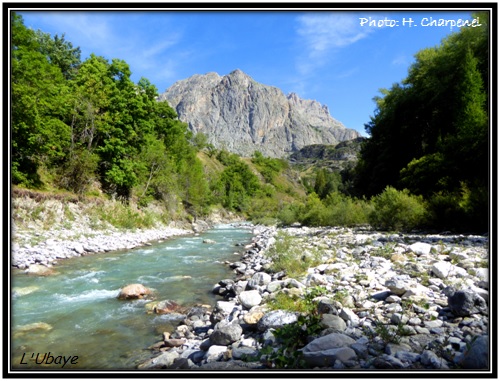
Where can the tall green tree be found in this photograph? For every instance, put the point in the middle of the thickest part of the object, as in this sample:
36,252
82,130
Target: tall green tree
40,98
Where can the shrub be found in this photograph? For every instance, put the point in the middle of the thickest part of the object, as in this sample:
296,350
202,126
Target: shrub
291,213
397,210
79,171
342,210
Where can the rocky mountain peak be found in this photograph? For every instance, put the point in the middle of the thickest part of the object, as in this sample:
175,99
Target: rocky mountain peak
241,115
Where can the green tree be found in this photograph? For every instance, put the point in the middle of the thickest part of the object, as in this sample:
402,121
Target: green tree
430,133
60,53
40,98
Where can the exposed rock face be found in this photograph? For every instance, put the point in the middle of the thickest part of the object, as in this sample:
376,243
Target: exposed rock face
242,116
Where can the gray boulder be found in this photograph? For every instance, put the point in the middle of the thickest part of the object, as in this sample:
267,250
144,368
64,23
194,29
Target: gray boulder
477,357
466,303
333,322
325,350
165,360
225,334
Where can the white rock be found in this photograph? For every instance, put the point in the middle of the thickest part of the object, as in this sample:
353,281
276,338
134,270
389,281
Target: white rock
225,307
445,270
420,248
249,299
215,353
349,316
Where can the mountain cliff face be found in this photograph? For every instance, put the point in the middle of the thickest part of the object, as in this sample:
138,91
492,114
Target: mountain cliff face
242,116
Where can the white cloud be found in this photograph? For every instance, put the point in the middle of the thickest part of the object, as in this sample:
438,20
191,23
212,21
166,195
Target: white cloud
322,32
88,28
160,46
401,60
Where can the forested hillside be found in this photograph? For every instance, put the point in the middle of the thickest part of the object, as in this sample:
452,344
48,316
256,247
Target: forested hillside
84,127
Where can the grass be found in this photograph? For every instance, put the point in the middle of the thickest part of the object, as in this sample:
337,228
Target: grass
287,254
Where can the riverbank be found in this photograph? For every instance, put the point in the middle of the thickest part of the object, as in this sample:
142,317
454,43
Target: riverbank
46,231
384,301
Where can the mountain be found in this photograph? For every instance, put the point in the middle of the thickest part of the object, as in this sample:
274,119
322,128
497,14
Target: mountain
241,115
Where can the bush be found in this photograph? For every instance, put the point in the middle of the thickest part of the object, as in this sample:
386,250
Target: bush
290,213
342,210
397,210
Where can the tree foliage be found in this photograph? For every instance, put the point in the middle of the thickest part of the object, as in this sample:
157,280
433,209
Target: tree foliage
429,133
88,122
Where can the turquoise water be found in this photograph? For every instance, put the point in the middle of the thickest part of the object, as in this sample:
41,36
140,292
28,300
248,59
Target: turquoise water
83,316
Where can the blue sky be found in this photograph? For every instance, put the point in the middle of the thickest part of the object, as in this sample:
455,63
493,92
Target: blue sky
323,55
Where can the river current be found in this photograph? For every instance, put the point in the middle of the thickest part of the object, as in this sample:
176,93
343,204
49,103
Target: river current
76,311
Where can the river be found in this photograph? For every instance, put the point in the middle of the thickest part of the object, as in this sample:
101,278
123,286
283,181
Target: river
76,311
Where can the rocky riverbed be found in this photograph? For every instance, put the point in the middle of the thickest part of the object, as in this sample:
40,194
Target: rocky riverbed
40,251
387,301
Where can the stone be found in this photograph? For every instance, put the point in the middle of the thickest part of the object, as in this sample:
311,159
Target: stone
443,270
244,353
430,359
466,302
78,248
253,316
163,307
276,319
398,318
165,360
399,286
327,306
225,334
388,362
174,342
407,356
225,307
260,279
40,270
215,353
328,357
333,340
420,248
433,324
334,322
39,326
349,316
274,286
134,291
249,299
392,349
230,365
478,355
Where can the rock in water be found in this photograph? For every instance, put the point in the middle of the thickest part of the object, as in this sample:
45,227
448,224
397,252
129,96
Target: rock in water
40,270
134,291
163,307
244,116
